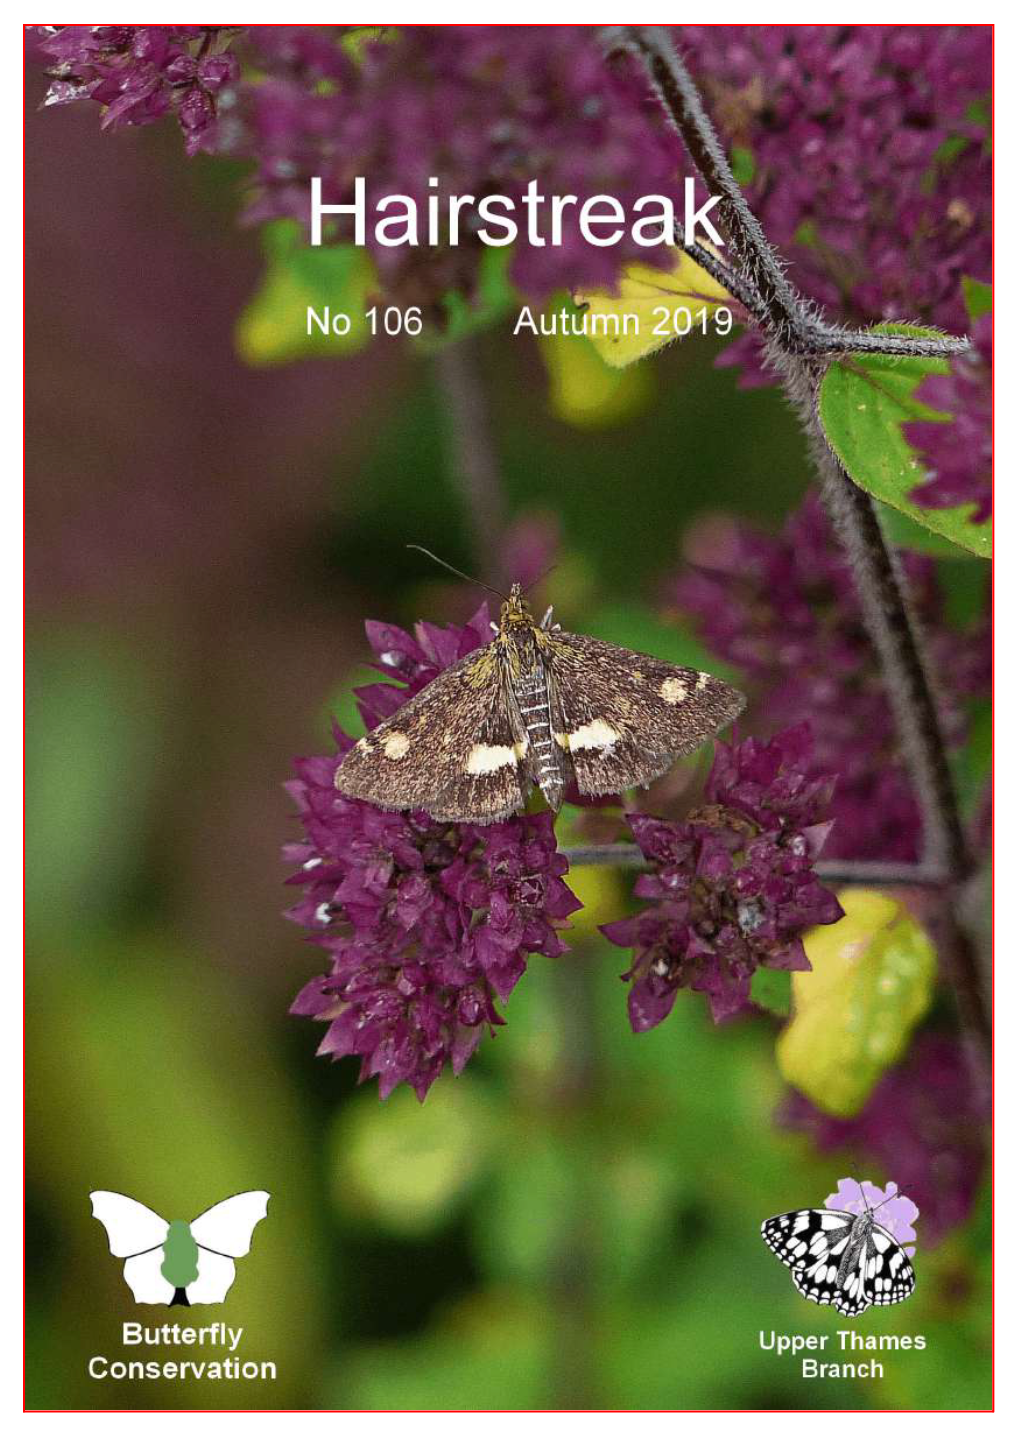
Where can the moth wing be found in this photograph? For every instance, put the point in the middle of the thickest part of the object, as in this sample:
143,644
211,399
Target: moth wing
227,1227
144,1275
456,749
624,717
805,1237
886,1273
215,1277
130,1226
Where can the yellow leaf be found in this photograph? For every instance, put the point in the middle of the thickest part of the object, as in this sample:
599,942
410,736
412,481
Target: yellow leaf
871,980
273,330
584,391
642,315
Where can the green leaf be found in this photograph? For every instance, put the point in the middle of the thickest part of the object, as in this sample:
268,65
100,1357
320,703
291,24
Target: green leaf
273,328
495,297
871,980
742,165
863,403
772,990
977,296
905,532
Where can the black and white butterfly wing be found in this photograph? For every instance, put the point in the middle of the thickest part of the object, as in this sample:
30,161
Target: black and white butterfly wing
807,1237
827,1282
834,1264
623,717
456,749
885,1273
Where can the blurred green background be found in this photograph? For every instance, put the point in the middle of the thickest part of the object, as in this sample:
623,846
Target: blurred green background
575,1221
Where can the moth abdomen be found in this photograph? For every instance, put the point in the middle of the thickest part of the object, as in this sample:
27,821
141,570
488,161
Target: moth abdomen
544,754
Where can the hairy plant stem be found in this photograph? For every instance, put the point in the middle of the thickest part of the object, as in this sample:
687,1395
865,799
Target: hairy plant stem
759,279
798,341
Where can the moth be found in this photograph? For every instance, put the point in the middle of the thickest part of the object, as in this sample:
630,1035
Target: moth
179,1263
536,706
841,1258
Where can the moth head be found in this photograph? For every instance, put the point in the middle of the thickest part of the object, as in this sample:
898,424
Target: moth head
515,610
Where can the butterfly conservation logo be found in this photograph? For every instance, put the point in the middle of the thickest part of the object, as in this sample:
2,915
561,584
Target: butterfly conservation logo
179,1263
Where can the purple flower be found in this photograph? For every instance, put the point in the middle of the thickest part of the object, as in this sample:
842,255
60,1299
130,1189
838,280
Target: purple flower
958,454
140,73
426,924
924,1124
483,109
784,610
897,1213
873,177
733,886
870,169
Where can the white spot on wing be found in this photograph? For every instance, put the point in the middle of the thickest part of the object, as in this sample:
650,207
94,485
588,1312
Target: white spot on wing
396,745
595,735
487,758
673,690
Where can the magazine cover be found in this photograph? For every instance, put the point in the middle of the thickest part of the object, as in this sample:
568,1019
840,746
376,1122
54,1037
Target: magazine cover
509,717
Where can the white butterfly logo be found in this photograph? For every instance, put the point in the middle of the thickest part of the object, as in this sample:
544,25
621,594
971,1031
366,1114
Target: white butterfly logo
179,1263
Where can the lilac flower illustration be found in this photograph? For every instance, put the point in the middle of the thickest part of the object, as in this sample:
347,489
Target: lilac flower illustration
897,1213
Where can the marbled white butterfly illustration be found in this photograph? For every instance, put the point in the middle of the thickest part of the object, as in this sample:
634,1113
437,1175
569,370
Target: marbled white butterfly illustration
844,1259
177,1263
535,706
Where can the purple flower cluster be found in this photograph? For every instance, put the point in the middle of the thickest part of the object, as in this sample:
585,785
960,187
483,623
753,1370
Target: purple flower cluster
923,1122
784,610
483,109
426,924
733,886
871,170
958,454
140,73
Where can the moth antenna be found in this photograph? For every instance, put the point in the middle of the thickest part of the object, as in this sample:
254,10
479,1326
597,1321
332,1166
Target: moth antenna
860,1184
416,547
535,581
